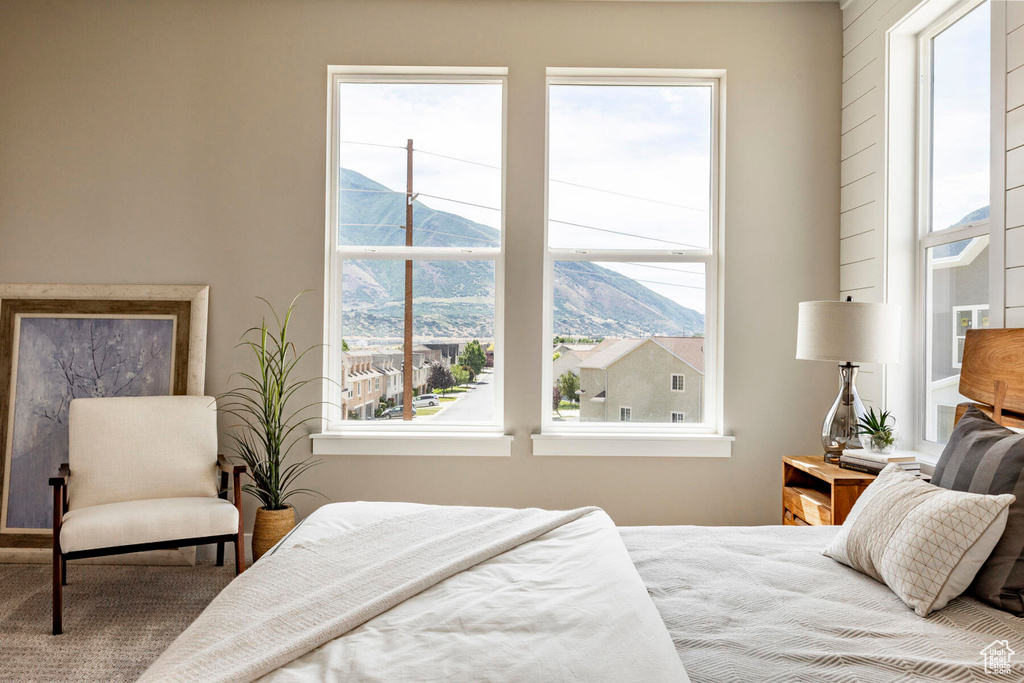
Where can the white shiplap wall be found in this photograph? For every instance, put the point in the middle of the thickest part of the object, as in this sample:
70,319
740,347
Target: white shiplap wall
1013,245
862,171
863,238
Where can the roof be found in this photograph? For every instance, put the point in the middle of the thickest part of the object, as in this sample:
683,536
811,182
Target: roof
690,350
602,358
579,347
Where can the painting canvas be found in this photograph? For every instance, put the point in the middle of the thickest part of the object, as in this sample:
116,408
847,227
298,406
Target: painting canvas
59,343
56,360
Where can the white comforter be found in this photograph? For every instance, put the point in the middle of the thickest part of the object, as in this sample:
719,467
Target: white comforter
568,606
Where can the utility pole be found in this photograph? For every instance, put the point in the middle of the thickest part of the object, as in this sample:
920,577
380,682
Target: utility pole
407,342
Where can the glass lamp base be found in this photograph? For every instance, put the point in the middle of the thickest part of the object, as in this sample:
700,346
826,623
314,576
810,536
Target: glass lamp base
839,431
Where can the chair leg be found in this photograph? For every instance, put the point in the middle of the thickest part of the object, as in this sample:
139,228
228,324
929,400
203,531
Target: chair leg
239,554
58,603
220,554
63,571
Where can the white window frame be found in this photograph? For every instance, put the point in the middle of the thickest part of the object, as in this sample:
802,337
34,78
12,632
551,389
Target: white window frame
678,381
672,417
625,412
691,440
344,437
930,239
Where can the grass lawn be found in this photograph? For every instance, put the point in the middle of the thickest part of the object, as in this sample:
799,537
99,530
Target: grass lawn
426,411
566,405
447,399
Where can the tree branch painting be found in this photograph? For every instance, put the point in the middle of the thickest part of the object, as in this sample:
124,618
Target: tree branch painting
60,359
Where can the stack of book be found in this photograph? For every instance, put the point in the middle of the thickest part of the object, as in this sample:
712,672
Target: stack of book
862,460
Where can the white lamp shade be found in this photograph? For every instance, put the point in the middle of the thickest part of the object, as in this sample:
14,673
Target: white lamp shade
848,331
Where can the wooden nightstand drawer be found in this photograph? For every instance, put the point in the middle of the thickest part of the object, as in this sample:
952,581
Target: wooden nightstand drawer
792,520
815,492
809,505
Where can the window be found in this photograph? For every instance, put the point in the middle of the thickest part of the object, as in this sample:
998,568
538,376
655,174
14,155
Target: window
631,293
416,195
953,204
966,318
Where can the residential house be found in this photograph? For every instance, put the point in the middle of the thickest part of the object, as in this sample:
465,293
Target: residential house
448,352
572,355
958,273
655,379
364,385
389,364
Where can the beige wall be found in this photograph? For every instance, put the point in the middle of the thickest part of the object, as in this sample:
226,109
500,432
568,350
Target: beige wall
183,142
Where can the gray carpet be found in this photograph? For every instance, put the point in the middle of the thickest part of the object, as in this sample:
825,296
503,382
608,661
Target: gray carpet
117,619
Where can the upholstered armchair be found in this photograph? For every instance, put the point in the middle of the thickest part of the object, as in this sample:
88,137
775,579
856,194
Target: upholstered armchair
142,475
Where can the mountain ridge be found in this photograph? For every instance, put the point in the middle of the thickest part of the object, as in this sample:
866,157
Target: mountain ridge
454,299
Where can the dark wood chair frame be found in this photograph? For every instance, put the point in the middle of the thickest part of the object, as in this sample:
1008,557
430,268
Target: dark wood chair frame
60,559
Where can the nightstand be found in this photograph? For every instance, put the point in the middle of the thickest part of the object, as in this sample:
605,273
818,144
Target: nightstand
816,493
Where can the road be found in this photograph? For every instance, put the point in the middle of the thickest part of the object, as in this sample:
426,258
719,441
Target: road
473,406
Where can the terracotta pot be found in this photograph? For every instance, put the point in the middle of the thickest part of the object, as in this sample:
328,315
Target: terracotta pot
270,527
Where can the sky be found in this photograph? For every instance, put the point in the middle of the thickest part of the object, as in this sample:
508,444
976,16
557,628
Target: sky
960,124
651,143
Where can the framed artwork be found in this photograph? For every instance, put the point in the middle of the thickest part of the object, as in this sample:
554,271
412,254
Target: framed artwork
62,342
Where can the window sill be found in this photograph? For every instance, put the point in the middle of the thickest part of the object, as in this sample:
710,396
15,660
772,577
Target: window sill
634,445
485,444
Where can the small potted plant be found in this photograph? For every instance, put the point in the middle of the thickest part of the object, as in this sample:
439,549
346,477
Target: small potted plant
878,432
265,437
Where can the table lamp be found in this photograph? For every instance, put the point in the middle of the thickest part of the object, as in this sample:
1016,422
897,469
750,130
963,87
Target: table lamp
846,332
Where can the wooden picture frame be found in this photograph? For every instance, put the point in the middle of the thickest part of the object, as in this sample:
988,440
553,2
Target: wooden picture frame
59,342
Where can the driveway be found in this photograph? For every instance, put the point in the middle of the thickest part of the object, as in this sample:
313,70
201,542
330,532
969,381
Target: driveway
473,406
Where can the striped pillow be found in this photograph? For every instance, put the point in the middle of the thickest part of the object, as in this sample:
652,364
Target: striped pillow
983,457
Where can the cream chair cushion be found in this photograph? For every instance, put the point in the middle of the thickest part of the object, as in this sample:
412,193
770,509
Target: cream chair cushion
146,521
140,448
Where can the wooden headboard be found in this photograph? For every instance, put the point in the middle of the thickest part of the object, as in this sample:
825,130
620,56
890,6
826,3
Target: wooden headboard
993,375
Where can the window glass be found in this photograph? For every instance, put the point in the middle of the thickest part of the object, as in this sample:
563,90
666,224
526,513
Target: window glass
435,145
628,333
957,296
453,310
456,166
961,96
629,166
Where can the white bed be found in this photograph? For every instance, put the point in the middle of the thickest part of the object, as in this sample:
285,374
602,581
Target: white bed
762,604
725,604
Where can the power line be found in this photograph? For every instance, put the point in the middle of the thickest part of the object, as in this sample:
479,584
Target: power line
566,182
371,144
465,161
647,282
631,196
553,180
417,230
674,270
628,235
458,201
356,189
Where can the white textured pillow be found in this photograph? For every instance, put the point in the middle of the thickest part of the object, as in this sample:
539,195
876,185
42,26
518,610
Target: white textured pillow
924,542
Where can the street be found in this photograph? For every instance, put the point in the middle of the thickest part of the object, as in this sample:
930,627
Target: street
473,406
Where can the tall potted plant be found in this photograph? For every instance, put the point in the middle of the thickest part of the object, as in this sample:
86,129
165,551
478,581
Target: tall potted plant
265,436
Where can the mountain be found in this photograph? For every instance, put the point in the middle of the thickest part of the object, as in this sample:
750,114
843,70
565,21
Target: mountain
455,299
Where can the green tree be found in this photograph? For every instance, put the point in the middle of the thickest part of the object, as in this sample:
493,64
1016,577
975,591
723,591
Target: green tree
460,375
569,384
440,378
473,357
344,345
